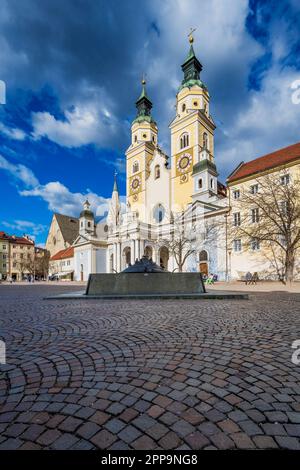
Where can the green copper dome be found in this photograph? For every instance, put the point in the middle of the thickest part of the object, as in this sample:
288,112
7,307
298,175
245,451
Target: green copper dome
191,69
143,106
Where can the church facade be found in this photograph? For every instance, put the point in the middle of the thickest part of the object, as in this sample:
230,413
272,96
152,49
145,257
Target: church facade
177,211
174,199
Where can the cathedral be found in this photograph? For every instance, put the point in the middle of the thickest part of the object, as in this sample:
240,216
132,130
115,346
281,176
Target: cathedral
163,193
177,211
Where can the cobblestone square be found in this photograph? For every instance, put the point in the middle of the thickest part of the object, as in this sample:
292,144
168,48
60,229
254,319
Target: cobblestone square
153,374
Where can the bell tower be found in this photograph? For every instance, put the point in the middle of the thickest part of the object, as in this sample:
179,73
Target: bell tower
192,131
140,154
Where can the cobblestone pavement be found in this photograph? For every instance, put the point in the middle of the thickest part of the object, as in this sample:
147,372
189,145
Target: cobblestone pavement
170,374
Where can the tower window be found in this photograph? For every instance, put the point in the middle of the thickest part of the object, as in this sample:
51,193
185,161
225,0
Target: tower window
205,140
195,103
184,140
89,224
135,167
157,172
144,136
212,183
200,183
135,138
183,108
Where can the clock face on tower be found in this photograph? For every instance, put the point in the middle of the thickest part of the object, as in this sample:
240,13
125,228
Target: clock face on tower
136,184
184,163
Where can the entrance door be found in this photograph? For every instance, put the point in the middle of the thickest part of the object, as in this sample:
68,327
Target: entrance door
203,268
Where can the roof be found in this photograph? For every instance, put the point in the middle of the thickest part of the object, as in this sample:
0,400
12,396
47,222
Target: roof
271,160
69,227
63,254
17,240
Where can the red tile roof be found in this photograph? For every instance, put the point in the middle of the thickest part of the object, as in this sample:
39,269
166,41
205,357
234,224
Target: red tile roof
16,240
271,160
63,254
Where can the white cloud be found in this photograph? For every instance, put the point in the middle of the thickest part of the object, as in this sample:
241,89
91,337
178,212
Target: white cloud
60,199
26,226
271,121
12,132
20,172
89,121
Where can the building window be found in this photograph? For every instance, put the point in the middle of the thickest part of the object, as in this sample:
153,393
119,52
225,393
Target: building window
255,215
4,256
236,194
200,183
135,167
157,172
81,224
159,213
254,189
283,207
205,140
4,247
184,140
237,245
195,103
4,265
183,108
211,183
14,265
237,219
255,245
284,180
144,136
89,224
135,138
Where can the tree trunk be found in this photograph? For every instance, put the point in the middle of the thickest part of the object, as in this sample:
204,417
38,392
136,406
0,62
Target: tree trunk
289,266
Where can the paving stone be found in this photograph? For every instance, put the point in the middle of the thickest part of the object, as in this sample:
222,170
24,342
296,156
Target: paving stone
287,442
103,439
65,441
265,442
198,391
129,434
88,430
196,440
144,443
48,437
222,441
242,441
169,441
274,429
70,424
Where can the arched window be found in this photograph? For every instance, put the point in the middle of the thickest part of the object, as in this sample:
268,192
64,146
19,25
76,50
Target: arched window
135,138
203,256
183,108
135,167
200,183
211,183
157,172
159,213
184,140
205,140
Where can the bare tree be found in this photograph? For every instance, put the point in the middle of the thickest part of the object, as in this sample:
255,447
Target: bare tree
270,217
180,241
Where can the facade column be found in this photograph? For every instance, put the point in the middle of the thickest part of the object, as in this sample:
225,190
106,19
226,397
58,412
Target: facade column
115,257
132,251
118,258
141,246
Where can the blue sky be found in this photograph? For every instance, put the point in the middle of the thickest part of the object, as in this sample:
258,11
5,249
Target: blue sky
72,71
